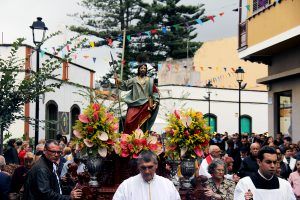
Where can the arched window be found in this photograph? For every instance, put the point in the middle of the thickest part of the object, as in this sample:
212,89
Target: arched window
246,124
51,119
75,111
213,122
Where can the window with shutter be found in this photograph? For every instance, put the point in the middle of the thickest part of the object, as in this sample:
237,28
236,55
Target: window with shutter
259,4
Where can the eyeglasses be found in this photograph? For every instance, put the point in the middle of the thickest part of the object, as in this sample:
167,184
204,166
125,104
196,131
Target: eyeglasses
54,152
144,168
220,170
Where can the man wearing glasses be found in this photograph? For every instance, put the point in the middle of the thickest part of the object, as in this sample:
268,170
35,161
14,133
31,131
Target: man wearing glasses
42,181
147,185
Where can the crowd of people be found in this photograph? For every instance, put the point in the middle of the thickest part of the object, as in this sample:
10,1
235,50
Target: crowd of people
253,167
240,168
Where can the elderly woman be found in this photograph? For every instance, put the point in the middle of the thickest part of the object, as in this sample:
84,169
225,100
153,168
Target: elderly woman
218,186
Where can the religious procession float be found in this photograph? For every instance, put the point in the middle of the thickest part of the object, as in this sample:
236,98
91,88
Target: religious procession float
110,156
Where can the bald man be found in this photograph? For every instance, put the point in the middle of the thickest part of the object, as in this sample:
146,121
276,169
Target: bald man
249,165
214,152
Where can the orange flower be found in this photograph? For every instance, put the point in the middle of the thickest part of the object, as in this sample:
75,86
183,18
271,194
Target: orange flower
96,106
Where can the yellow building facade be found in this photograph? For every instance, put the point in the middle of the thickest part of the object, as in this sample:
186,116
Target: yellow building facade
271,35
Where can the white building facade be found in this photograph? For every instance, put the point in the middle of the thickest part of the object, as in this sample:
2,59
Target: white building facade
224,110
58,110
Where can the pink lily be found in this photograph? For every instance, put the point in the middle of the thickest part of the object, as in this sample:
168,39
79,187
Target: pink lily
83,118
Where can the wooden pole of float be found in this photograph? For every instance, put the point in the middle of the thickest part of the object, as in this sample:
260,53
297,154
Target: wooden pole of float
123,53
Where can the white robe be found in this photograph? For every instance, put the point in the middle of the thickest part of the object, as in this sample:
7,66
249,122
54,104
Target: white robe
203,168
284,192
135,188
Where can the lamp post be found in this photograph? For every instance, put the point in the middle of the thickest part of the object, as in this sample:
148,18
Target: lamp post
239,78
38,33
208,87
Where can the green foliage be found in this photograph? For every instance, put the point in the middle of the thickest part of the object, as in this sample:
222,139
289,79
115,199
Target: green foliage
108,18
16,89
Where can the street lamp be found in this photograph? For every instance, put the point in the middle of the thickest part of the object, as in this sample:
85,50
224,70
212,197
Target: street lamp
38,33
239,78
208,87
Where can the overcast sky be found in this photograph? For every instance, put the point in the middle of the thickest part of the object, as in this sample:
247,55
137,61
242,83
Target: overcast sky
17,15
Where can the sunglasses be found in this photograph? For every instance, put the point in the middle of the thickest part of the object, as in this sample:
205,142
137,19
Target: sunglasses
144,168
54,152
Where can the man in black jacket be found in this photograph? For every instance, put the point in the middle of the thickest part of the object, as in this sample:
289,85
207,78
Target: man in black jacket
249,165
42,182
11,153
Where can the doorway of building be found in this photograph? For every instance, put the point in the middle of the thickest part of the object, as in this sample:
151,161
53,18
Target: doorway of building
51,119
75,111
284,110
246,124
213,122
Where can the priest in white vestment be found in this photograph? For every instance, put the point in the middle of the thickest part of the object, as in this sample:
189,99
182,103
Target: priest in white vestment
147,185
214,152
264,185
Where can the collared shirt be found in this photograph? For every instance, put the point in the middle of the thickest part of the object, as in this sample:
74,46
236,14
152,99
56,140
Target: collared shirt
55,172
262,189
135,188
225,190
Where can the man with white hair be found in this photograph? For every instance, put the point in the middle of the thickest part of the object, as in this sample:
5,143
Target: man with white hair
214,152
4,180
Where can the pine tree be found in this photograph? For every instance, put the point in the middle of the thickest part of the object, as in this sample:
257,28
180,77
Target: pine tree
108,18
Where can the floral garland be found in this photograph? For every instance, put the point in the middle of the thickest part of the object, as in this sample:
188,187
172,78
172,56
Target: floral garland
131,145
96,130
187,134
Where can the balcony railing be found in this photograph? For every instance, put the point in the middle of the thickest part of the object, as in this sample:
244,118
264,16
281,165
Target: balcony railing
243,35
259,5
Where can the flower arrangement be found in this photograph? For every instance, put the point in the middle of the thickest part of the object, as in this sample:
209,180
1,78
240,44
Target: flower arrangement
132,145
187,134
95,130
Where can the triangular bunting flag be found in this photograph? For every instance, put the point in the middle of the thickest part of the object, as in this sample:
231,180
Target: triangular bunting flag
92,44
94,59
248,7
148,33
169,67
159,66
212,18
42,53
120,38
199,21
109,42
176,26
128,37
164,30
68,48
153,31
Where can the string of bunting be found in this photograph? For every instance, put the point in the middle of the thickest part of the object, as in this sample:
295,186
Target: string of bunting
226,72
163,29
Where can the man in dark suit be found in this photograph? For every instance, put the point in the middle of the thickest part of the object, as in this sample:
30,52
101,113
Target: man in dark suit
42,181
4,181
